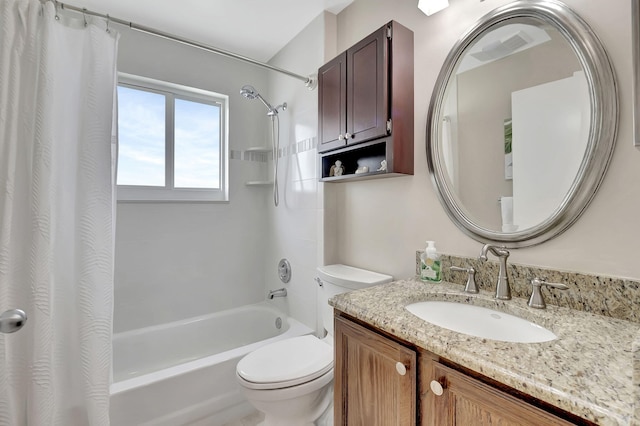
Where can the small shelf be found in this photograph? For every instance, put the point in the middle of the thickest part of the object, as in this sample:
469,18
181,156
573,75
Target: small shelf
358,176
369,154
258,149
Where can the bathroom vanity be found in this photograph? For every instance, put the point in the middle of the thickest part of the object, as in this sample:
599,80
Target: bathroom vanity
394,368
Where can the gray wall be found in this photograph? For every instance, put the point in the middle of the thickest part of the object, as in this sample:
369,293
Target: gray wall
407,211
179,260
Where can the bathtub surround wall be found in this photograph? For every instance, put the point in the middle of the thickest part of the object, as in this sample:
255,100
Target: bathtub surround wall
180,260
380,223
597,294
294,226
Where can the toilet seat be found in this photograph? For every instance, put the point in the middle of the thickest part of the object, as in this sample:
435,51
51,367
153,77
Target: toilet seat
286,363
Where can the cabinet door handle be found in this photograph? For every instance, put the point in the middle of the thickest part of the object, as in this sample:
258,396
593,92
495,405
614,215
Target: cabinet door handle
349,135
340,137
436,387
400,368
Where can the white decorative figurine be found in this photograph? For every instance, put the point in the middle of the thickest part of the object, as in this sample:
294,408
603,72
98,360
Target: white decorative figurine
383,166
336,169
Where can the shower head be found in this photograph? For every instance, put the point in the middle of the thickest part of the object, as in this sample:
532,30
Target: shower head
250,92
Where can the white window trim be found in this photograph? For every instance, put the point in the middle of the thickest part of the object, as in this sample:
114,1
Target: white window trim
135,193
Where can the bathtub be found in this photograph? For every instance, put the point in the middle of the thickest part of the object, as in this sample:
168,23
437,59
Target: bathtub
184,372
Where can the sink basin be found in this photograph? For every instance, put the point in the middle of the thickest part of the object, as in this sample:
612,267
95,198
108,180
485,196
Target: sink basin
480,322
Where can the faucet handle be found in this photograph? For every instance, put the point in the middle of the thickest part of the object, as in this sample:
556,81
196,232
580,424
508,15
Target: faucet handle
536,300
471,286
498,251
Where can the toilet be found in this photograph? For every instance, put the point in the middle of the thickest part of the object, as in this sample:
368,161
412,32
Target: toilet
291,381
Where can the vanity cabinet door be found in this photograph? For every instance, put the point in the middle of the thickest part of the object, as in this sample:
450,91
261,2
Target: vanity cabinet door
466,401
375,378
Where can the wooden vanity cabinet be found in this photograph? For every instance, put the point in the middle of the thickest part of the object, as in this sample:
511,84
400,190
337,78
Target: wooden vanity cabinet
366,94
468,401
375,378
370,389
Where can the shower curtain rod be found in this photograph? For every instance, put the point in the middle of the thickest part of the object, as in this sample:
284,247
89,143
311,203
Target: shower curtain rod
309,81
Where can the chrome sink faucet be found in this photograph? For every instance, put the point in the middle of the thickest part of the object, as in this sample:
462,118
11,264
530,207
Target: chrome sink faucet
281,292
503,290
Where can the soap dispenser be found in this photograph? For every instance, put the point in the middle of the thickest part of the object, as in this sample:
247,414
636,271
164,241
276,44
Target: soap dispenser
430,270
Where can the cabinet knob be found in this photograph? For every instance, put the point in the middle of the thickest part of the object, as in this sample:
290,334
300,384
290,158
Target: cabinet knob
349,135
401,369
340,137
436,387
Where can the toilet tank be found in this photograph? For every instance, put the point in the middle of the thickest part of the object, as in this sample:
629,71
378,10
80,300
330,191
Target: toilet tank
336,279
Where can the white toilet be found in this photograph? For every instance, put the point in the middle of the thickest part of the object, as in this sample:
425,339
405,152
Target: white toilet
291,381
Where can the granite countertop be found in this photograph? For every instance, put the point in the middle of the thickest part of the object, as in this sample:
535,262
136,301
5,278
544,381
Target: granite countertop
588,370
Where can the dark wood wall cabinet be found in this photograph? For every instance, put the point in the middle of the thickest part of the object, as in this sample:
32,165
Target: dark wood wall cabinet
365,107
381,381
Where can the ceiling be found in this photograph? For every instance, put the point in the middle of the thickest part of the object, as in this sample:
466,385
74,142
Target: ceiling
257,29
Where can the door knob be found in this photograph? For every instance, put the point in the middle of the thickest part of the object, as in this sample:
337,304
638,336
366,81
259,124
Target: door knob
436,387
401,369
12,320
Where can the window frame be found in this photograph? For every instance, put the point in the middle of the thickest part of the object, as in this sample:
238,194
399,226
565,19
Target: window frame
169,193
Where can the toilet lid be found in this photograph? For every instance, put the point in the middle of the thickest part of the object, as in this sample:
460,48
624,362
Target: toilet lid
296,360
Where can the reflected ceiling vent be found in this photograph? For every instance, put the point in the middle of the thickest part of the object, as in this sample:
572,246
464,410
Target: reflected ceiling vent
501,48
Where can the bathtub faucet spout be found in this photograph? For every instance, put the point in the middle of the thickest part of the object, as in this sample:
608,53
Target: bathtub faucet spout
281,292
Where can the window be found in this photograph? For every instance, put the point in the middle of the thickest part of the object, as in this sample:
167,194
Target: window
172,142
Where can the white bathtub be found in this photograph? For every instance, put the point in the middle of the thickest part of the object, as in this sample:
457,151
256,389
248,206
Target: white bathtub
184,372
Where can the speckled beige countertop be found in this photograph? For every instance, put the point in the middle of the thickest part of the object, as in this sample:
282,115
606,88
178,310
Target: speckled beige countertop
588,371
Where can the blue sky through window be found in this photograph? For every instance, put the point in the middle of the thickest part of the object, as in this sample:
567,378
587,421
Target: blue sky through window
197,145
141,137
141,131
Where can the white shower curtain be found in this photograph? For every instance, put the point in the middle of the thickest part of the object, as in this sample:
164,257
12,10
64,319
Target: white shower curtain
57,89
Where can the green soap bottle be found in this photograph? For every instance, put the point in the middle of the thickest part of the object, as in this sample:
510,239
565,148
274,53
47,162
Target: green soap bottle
430,268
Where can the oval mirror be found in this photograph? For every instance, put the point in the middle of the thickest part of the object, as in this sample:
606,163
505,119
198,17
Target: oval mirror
522,124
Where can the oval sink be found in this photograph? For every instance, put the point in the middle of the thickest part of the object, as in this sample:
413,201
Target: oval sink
480,322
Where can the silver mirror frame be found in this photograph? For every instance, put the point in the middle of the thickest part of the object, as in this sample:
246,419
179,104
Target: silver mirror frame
635,46
603,94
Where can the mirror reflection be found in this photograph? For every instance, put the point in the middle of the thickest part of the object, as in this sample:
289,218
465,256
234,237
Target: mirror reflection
514,125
